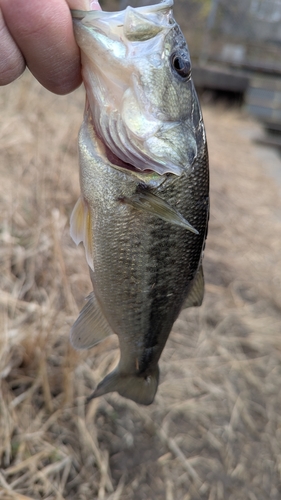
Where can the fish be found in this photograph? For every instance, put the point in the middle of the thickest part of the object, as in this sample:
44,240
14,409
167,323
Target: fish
144,206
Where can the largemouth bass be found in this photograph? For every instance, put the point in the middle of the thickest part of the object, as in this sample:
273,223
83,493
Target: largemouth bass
143,211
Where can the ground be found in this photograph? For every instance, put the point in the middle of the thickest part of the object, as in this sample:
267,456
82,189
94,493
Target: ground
214,430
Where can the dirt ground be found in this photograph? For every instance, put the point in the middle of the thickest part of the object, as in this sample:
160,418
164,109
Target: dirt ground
214,430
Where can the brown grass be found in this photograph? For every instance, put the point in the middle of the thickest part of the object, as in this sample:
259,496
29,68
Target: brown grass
214,431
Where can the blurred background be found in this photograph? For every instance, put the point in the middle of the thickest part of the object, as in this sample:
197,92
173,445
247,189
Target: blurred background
214,430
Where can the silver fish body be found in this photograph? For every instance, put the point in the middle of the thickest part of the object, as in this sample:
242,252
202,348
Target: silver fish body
143,211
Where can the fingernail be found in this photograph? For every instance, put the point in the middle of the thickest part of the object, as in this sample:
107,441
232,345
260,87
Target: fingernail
94,5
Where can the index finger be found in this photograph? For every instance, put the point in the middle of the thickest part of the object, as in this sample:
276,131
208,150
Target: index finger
43,33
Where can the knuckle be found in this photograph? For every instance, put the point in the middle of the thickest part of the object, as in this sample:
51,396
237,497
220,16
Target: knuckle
10,70
12,63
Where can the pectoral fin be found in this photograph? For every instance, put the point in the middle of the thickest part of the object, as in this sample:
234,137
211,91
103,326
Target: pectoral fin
90,327
149,202
81,228
196,294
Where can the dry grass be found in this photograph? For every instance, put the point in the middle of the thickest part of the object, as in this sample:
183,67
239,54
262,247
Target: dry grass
214,431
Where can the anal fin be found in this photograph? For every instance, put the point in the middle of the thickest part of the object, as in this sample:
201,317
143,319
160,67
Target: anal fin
91,327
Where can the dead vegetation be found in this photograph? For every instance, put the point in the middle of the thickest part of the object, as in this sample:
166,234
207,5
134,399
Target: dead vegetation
214,431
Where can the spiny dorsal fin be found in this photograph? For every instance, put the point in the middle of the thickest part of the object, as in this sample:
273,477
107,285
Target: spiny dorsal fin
81,228
196,294
149,202
90,327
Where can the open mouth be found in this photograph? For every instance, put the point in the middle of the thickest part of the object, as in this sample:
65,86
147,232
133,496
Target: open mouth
122,152
113,158
112,153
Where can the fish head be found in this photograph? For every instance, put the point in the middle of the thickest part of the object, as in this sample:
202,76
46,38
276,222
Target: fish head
140,96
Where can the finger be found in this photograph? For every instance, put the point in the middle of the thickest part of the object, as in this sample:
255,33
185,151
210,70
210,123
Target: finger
79,4
43,32
12,63
84,4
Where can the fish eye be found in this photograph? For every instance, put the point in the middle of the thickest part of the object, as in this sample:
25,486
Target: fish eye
181,65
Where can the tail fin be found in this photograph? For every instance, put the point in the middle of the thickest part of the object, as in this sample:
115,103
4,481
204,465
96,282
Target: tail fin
140,389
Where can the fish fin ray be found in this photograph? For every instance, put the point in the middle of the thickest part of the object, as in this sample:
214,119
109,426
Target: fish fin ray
196,294
149,202
90,327
81,228
140,389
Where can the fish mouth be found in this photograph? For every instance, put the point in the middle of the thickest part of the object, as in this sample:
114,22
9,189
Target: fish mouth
111,156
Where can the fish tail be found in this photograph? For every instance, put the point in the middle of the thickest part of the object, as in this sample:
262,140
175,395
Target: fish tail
139,388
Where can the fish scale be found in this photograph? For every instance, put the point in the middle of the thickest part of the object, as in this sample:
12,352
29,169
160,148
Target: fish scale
143,229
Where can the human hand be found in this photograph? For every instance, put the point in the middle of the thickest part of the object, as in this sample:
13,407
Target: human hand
39,34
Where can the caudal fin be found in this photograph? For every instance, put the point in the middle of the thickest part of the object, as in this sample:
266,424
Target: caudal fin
140,389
